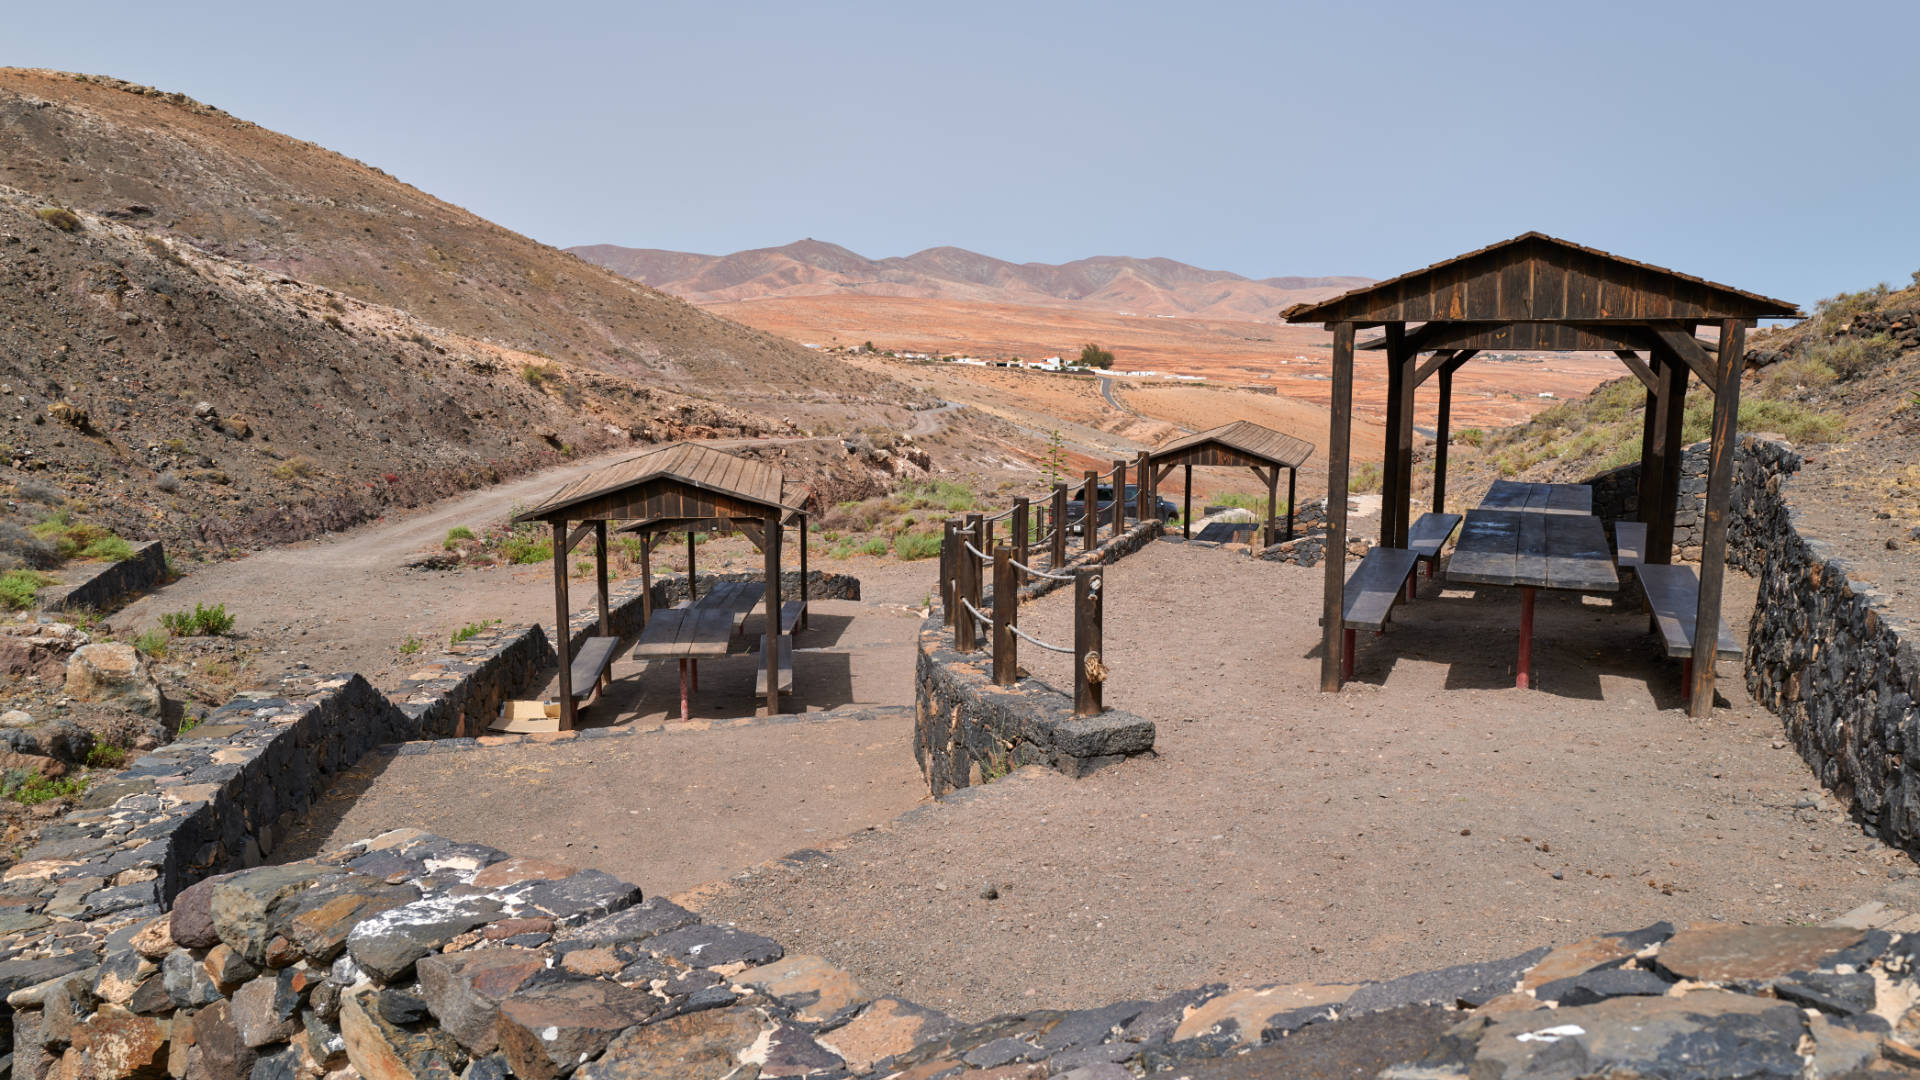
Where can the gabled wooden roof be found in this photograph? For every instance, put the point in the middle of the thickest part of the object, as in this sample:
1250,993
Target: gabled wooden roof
1246,438
734,481
1539,278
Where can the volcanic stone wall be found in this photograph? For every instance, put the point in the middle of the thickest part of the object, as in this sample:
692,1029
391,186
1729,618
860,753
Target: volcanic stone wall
967,730
147,568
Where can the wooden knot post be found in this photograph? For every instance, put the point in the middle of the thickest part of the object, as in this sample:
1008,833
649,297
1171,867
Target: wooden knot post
1022,537
1090,510
1057,555
1119,498
965,588
949,542
1006,605
1086,642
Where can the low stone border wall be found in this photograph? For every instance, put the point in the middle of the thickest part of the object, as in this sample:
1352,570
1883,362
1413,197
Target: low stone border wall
967,730
147,568
821,585
409,955
457,694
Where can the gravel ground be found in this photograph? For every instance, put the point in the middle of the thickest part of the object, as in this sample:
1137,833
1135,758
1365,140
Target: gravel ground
1429,814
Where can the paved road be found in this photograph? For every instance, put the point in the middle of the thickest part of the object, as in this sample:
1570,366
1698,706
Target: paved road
1106,391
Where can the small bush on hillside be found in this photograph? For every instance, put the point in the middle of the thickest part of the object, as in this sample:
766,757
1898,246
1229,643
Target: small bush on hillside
39,492
1852,357
19,587
1094,356
202,621
917,545
1837,311
522,549
29,788
1365,477
1472,436
875,547
455,535
534,375
106,756
292,468
71,537
60,218
153,643
109,548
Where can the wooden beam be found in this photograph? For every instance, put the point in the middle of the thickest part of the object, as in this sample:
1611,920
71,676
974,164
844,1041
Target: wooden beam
1687,347
581,533
1460,358
1713,531
1390,446
1647,419
804,585
1638,366
1433,364
1339,449
772,637
600,577
1668,423
1442,433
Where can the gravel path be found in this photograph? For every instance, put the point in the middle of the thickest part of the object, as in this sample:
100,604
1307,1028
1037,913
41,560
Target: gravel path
1428,815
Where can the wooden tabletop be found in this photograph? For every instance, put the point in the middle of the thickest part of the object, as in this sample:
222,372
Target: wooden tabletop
1539,498
686,633
738,599
1553,550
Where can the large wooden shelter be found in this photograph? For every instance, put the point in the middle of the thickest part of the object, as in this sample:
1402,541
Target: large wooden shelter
680,487
1242,443
1537,293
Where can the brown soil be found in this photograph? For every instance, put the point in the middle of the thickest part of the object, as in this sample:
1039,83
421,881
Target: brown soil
1415,820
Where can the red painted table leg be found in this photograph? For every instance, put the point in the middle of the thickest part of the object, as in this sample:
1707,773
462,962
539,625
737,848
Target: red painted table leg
1526,636
684,711
1412,581
1430,563
1686,676
1346,656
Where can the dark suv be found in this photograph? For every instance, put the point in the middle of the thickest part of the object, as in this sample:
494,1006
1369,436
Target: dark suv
1103,511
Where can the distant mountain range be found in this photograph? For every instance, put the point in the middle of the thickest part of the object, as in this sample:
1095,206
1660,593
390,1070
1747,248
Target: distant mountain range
1106,282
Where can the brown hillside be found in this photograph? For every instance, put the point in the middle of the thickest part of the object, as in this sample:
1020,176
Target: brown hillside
1104,283
171,166
325,410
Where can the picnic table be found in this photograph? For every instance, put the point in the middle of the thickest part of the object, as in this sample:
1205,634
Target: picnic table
708,627
1533,548
1530,498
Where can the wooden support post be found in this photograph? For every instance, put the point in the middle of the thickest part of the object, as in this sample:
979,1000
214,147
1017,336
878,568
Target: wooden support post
1143,506
600,582
1057,557
1087,661
1390,449
1647,423
1119,498
1403,440
1272,526
1339,448
1006,601
1661,493
646,578
771,641
805,586
1186,514
1022,535
1442,432
562,635
1090,510
1713,527
693,581
1292,475
949,543
986,535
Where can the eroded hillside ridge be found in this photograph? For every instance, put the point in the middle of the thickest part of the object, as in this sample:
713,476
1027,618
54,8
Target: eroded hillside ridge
181,395
171,166
1107,282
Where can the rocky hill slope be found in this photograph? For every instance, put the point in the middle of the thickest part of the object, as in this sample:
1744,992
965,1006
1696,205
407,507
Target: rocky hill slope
165,392
1106,283
173,167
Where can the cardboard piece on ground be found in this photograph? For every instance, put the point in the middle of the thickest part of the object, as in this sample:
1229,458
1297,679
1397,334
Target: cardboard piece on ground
520,717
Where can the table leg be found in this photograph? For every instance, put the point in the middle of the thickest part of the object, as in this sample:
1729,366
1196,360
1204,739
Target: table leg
1411,579
1430,563
684,711
1346,657
1526,635
1686,675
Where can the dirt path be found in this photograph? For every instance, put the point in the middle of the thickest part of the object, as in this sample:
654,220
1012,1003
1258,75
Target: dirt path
1429,814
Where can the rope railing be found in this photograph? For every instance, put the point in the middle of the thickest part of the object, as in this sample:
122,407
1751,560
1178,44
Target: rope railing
1031,640
963,597
977,613
1024,568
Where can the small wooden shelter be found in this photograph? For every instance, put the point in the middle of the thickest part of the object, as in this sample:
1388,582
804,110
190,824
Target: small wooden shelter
680,487
1536,293
1242,443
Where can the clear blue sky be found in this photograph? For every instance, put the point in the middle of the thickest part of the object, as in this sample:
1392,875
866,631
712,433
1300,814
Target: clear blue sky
1769,145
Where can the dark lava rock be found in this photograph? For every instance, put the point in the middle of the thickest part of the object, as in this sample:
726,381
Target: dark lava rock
1830,992
547,1029
586,895
702,945
1470,984
387,945
1599,985
637,923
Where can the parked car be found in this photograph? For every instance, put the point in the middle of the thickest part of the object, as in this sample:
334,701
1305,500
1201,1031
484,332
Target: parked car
1103,509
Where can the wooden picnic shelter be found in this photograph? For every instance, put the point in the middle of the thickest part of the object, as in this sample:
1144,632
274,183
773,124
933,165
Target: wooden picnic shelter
1537,293
679,487
1241,443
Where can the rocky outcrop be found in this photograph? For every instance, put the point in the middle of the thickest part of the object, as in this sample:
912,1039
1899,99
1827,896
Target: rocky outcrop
113,673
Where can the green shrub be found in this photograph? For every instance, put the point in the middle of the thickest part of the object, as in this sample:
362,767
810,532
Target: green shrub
472,630
534,375
411,645
457,534
60,218
916,545
202,621
1852,357
522,549
293,468
110,548
106,756
19,587
29,788
153,643
876,546
1365,477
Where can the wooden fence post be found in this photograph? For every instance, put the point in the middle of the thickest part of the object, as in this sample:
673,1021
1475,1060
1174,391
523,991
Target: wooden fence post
947,564
967,568
1006,601
1058,556
1143,499
1090,510
1089,670
1119,498
1022,534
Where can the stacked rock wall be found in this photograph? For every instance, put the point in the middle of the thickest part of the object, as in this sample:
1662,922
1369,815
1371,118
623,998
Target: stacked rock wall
147,568
968,730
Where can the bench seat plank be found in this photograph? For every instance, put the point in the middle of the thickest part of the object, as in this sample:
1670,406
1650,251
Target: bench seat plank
1429,534
591,662
1374,587
790,613
1674,594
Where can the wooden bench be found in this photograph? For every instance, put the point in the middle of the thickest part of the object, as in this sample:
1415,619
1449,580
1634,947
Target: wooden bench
1629,544
589,665
1370,595
791,613
1673,592
1429,534
786,670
